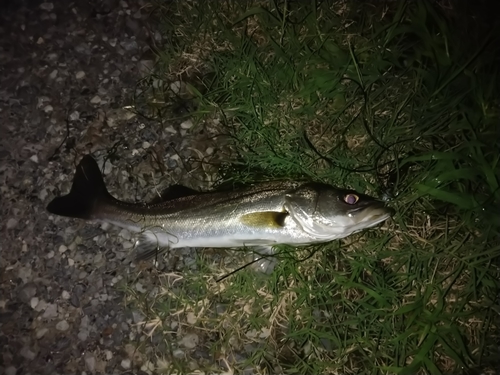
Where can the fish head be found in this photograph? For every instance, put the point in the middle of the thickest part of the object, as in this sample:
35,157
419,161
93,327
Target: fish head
329,213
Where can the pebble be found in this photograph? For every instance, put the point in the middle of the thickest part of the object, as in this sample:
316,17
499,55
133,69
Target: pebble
48,108
140,288
34,302
137,317
50,311
73,116
47,6
80,74
190,341
178,353
126,364
12,223
191,318
24,273
27,353
11,370
63,325
176,87
90,362
188,124
41,332
108,354
83,334
27,292
34,158
65,294
53,74
170,129
108,167
43,194
62,249
127,245
97,258
125,234
50,254
95,100
42,305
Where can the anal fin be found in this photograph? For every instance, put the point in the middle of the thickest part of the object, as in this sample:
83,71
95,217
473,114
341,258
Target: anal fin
147,247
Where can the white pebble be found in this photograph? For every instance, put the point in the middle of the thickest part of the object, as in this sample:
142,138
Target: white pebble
65,294
176,87
71,262
90,362
50,254
80,74
190,341
178,353
140,288
188,124
125,234
63,325
34,302
43,194
74,116
95,100
127,245
48,108
191,318
63,249
125,363
41,332
170,129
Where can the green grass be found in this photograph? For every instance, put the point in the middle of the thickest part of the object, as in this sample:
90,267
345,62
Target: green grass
393,101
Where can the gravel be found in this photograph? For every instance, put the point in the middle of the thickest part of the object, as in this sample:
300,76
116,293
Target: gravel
68,72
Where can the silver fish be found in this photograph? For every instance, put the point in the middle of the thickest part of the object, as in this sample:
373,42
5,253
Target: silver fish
260,216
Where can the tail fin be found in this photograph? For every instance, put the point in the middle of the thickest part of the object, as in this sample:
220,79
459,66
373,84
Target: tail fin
87,192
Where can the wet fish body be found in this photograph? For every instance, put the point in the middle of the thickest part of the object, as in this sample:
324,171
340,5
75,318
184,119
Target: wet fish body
262,215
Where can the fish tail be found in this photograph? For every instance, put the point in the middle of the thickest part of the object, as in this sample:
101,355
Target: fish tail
88,193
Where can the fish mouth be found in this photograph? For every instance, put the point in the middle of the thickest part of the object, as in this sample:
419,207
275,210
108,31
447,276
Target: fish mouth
374,215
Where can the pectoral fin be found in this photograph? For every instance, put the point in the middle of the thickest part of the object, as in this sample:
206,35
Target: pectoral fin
264,259
265,219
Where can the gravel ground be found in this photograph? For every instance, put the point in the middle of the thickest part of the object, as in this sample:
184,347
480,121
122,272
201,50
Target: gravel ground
68,69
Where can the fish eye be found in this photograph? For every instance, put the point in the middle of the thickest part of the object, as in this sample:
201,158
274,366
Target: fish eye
351,198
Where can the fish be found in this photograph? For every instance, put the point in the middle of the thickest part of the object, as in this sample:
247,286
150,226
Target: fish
258,216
